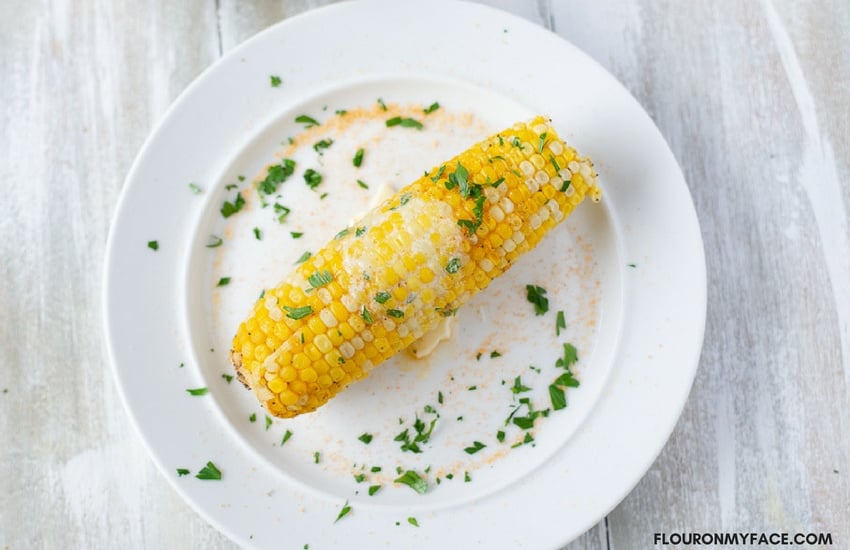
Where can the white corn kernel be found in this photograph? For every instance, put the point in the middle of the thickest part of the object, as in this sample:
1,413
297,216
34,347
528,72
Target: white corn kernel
556,147
346,350
532,185
497,213
526,167
541,177
507,205
324,295
328,318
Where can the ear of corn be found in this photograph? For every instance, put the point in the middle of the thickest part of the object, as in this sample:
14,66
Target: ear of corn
420,255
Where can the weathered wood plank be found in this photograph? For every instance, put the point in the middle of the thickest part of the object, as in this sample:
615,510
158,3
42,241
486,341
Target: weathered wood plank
765,427
83,83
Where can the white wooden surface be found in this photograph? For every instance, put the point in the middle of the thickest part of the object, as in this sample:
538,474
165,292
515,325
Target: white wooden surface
753,97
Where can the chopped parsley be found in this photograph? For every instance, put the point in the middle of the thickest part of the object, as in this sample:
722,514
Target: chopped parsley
404,123
414,481
344,512
453,266
230,208
197,391
412,521
253,417
312,178
518,386
366,316
557,396
632,265
359,231
439,173
375,469
472,388
341,234
321,145
362,184
153,245
275,81
282,212
230,186
227,377
320,279
269,422
307,121
298,312
365,438
374,489
195,188
214,242
466,477
565,185
500,436
382,297
476,446
182,472
440,397
286,437
397,313
560,323
431,108
537,296
341,112
258,234
275,175
316,457
359,478
296,234
303,258
494,354
358,158
541,142
210,471
224,281
382,104
569,358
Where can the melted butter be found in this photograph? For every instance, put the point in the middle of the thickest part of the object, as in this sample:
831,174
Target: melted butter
444,329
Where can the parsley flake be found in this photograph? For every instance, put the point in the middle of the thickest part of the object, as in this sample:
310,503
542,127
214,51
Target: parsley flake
258,234
366,316
275,175
227,377
286,437
374,489
382,297
230,208
476,446
321,145
560,323
307,121
404,123
224,281
182,472
344,512
431,108
320,279
312,178
362,184
397,313
195,188
214,242
365,438
537,296
414,481
358,158
210,471
153,245
197,391
275,81
453,266
298,312
303,258
412,521
296,234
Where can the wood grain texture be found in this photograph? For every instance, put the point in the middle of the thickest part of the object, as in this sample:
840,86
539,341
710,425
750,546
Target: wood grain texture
753,99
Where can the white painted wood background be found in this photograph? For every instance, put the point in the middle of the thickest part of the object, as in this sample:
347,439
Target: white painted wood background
753,97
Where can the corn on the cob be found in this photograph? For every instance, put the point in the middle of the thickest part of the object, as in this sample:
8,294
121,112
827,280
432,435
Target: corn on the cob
420,255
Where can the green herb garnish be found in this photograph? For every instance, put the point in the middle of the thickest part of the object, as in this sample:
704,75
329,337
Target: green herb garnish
214,242
282,212
382,297
210,471
321,145
344,512
227,377
182,472
153,245
224,281
431,108
414,481
320,279
453,266
382,104
287,434
476,446
397,313
537,296
365,438
358,158
362,184
275,81
195,188
366,316
230,208
307,121
412,521
275,175
197,391
312,178
303,258
296,234
404,123
374,489
298,312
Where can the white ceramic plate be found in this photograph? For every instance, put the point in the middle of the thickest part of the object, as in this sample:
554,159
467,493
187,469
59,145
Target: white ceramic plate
628,273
